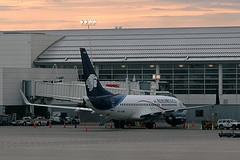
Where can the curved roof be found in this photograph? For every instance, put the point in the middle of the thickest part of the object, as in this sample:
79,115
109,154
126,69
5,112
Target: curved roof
153,44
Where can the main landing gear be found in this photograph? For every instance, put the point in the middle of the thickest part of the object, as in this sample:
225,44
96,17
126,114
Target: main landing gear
118,124
121,123
150,125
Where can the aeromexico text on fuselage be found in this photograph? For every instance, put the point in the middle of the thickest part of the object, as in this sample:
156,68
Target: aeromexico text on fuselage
116,100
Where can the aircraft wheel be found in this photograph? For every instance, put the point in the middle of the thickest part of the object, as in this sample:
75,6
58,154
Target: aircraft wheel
221,127
122,124
149,125
234,127
116,124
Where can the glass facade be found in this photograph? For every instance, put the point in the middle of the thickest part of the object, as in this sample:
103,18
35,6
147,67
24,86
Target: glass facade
182,78
119,72
231,78
190,78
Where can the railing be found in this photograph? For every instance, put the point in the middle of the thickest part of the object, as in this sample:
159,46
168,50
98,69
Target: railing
75,91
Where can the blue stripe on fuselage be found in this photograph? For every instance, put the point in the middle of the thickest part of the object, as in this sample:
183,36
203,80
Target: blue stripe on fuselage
120,101
108,103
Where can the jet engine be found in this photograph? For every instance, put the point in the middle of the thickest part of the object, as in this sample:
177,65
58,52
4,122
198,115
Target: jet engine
176,119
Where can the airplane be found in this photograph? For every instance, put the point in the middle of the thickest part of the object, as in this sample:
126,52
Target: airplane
125,109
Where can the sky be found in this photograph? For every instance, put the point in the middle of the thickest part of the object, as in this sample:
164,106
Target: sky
67,14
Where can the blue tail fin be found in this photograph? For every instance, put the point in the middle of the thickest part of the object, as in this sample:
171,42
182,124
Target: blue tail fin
93,86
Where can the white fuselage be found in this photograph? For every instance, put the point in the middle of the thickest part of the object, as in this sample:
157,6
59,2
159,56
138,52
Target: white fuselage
132,107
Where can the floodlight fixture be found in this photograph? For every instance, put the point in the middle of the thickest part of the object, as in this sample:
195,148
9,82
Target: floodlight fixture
88,22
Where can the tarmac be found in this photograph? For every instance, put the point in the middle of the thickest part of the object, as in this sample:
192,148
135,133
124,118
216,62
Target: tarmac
100,143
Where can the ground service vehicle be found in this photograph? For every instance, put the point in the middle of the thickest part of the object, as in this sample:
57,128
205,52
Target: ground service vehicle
72,120
228,123
38,121
5,119
22,121
207,124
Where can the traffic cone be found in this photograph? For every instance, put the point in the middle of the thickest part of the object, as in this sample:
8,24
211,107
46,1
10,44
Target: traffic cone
111,125
192,123
184,126
50,125
154,126
86,127
188,127
35,125
64,126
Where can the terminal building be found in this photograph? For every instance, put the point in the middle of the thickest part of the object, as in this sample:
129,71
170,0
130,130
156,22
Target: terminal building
190,63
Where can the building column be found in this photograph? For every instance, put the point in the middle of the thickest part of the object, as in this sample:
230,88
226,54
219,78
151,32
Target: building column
97,70
157,78
220,79
157,68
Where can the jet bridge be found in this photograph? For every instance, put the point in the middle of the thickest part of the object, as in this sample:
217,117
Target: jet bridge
74,91
69,91
60,90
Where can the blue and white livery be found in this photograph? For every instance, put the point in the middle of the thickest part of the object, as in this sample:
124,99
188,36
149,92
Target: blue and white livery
124,109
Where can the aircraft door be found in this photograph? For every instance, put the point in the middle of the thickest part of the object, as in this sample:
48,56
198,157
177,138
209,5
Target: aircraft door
112,104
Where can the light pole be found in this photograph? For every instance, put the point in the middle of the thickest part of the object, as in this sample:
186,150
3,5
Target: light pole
89,23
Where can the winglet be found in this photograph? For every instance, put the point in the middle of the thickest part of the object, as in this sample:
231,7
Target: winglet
24,98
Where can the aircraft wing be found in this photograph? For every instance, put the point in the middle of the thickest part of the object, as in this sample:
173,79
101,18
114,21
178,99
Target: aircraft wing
170,111
54,106
194,107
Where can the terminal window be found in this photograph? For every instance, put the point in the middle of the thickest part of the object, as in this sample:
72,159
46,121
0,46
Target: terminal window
198,113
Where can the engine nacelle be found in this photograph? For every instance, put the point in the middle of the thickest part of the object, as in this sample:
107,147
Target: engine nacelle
176,119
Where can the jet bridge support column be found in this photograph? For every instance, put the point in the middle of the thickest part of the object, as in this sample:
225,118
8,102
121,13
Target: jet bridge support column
50,111
31,109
